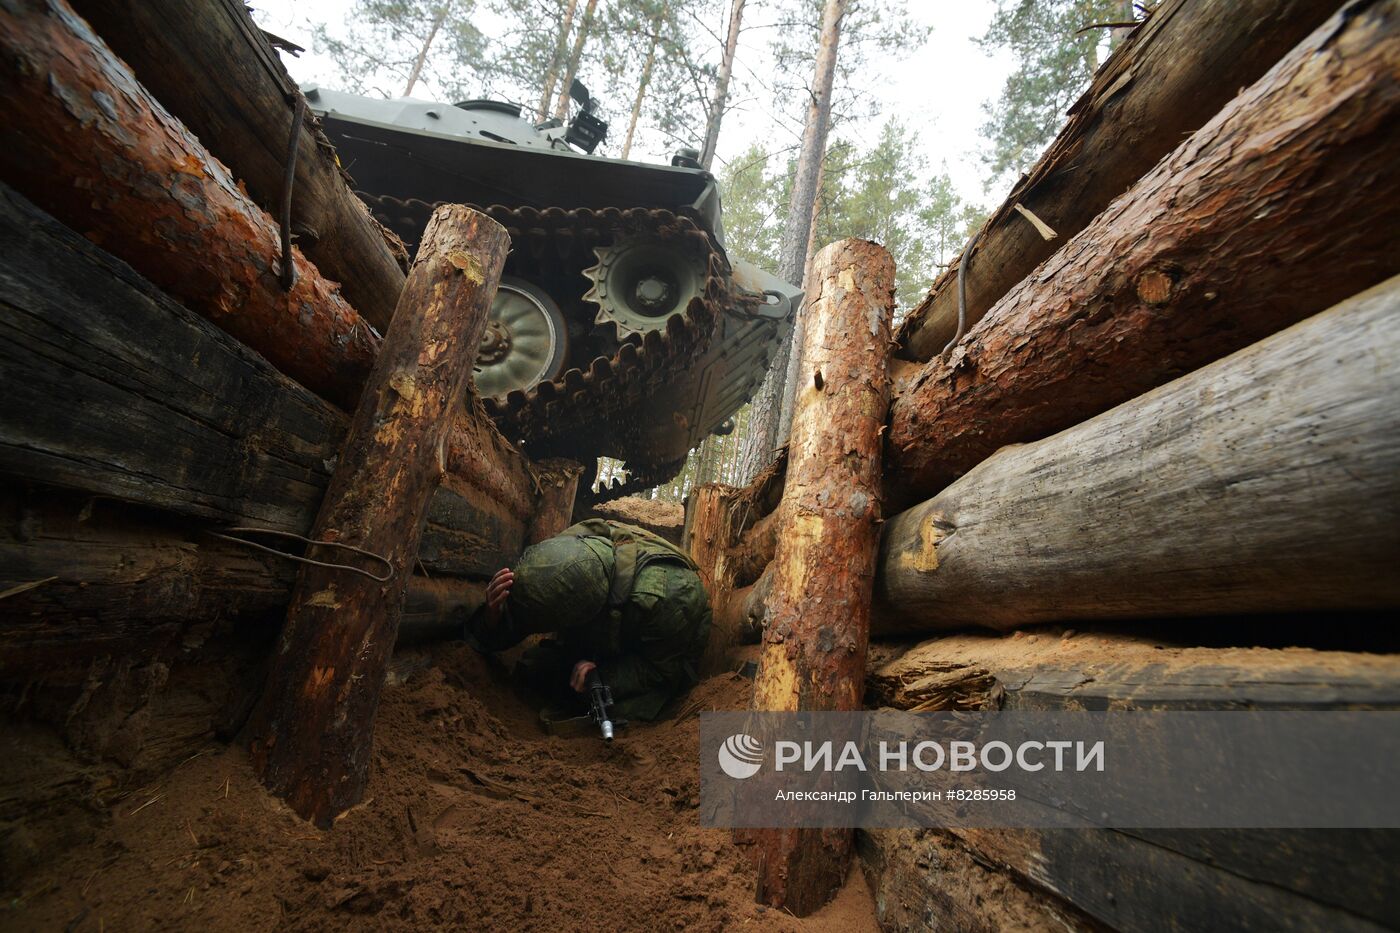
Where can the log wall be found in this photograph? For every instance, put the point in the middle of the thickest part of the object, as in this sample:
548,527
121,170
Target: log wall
1171,75
1283,204
1268,481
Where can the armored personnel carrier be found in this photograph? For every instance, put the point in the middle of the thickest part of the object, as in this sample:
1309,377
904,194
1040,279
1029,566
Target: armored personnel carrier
621,327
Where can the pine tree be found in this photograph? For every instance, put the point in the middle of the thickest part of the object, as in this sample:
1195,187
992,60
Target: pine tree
1059,45
389,47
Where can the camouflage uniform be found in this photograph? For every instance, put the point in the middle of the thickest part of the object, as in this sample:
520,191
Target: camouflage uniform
610,593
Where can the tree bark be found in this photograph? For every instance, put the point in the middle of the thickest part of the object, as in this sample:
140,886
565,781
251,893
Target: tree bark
230,440
722,79
790,379
244,118
128,582
1169,77
641,95
1268,481
422,56
311,742
557,59
813,654
561,108
138,183
555,511
1282,205
763,437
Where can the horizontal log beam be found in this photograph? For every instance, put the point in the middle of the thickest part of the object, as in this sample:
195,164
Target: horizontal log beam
207,429
1171,75
212,68
136,181
106,579
1282,205
1256,878
1052,670
1266,482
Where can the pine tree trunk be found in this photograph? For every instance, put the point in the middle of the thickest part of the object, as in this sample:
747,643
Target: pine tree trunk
561,108
768,403
556,61
641,95
814,647
722,78
1282,205
422,57
312,736
790,380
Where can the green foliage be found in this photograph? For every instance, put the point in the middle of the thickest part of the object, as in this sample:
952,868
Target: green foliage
1055,65
382,39
871,31
884,193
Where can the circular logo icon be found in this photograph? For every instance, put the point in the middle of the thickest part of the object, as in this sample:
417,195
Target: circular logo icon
741,756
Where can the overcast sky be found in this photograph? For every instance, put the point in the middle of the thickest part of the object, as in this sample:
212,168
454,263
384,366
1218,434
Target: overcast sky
939,90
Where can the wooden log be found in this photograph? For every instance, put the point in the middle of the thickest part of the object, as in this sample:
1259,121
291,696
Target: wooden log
1266,482
1284,204
555,510
754,552
813,655
212,68
1171,75
1256,878
1107,880
136,182
924,879
94,578
705,537
228,440
311,741
1050,669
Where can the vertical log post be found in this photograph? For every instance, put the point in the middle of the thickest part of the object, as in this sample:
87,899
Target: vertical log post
824,567
311,738
706,538
554,509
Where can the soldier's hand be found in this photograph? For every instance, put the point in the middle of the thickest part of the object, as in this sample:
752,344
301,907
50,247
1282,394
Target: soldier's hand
496,593
579,678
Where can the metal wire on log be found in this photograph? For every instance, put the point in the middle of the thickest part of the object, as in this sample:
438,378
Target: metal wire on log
1229,260
813,656
289,270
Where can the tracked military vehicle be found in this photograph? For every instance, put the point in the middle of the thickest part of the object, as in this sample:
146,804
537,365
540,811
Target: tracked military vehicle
621,327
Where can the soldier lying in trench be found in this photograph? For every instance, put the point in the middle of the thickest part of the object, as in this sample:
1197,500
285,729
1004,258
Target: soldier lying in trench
616,599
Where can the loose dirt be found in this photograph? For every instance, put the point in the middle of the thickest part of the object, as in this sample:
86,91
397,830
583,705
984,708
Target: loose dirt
659,515
474,819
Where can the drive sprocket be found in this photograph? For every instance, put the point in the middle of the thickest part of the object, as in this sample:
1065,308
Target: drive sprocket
640,283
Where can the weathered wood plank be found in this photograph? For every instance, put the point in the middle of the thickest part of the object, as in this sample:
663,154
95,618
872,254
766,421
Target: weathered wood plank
1285,203
1046,670
1266,482
1320,879
1170,76
925,879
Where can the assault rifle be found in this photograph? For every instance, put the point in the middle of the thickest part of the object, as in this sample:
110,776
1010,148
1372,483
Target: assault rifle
599,715
600,703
